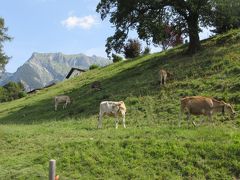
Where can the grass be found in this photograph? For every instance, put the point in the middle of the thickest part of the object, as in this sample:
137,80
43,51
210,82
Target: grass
152,146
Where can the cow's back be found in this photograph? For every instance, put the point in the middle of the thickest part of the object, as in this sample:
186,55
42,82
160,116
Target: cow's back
62,98
106,106
162,73
197,104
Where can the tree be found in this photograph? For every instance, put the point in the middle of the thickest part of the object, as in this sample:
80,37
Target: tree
3,94
227,16
13,91
146,51
150,17
132,48
3,37
116,58
171,37
94,66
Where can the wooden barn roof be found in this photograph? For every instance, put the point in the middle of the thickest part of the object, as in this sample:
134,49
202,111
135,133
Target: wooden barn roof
73,69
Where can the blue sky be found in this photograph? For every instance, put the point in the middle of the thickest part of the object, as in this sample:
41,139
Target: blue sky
67,26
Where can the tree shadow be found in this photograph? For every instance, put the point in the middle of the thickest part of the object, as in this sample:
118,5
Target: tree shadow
130,81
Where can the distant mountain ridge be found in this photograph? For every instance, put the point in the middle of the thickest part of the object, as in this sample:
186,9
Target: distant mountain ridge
45,68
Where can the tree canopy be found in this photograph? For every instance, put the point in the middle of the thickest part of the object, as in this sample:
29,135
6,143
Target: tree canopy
11,91
3,37
149,19
227,15
132,48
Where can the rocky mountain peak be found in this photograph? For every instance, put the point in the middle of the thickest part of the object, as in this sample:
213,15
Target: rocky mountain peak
42,68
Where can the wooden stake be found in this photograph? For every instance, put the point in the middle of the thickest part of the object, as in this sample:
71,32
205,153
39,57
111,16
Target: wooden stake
52,169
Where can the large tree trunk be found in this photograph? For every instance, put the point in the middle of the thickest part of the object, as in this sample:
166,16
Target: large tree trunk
194,42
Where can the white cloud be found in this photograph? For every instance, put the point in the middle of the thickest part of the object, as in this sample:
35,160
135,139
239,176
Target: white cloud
85,22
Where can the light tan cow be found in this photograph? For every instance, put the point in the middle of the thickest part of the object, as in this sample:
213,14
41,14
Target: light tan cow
200,105
112,108
62,99
163,75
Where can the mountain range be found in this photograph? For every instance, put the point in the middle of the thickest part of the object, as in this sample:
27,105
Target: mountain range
43,69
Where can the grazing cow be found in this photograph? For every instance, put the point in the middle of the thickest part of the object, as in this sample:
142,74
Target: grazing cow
199,105
96,85
62,99
112,108
163,75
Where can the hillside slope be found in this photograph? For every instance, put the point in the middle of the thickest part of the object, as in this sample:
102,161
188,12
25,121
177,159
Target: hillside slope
152,146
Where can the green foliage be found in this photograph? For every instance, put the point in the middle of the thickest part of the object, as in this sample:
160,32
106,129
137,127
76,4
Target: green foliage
94,66
3,37
3,94
152,146
132,48
12,91
150,18
227,15
116,58
146,51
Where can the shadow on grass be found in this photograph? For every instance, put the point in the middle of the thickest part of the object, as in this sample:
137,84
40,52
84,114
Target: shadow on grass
137,81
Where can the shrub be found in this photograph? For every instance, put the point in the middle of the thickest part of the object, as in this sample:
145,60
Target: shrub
146,51
116,58
94,66
132,48
22,94
12,91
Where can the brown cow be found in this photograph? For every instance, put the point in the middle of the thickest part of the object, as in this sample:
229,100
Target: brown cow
163,75
199,105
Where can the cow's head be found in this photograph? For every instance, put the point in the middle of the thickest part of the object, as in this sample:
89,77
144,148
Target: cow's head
121,107
229,109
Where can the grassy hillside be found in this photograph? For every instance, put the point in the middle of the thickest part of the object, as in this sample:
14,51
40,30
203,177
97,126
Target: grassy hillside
152,146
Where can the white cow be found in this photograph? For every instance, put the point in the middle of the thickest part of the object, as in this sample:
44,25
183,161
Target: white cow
62,99
112,108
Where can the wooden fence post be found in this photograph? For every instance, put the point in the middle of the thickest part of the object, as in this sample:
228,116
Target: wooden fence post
52,169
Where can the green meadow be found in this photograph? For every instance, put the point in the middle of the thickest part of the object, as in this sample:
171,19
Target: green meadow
152,146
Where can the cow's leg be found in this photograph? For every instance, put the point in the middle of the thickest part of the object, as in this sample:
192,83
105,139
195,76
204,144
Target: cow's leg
164,80
100,120
65,105
124,125
201,120
181,112
210,117
56,105
194,124
116,121
188,118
